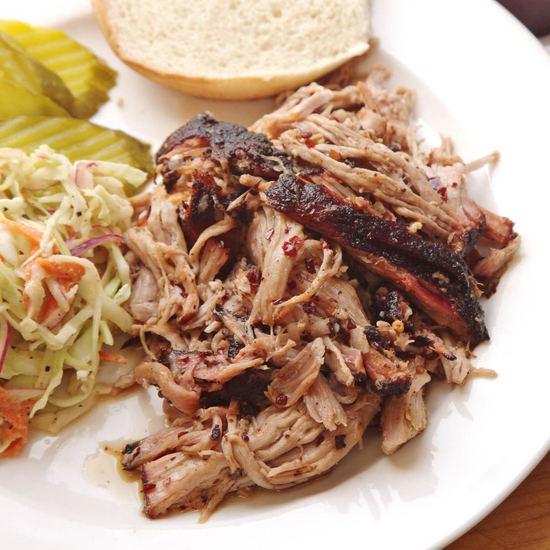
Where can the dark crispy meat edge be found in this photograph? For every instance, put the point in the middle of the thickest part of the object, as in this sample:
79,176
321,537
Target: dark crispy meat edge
321,210
317,208
246,152
201,212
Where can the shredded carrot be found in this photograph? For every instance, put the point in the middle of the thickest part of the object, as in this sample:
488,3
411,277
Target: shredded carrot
112,357
67,274
71,271
28,275
32,235
15,422
48,308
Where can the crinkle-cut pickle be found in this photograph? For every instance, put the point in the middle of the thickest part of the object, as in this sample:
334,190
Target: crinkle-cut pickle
16,100
88,78
76,139
20,69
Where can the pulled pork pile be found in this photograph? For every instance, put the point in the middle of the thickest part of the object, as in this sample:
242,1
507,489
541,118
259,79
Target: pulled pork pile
297,282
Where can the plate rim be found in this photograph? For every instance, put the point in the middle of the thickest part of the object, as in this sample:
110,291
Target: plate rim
526,42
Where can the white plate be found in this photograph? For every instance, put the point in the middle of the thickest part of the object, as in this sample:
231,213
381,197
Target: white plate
481,78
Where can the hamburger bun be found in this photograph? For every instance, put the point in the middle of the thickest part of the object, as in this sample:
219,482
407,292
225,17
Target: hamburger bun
234,49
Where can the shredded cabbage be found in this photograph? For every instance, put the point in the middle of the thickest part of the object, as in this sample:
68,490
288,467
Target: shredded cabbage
63,277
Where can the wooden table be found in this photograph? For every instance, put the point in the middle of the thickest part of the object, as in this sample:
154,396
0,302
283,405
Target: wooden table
521,522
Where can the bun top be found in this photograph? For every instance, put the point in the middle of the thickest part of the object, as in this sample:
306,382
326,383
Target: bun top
235,49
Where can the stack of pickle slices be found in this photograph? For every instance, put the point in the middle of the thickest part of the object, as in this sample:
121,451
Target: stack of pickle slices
49,86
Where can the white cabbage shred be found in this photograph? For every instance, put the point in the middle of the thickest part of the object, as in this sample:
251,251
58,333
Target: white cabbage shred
63,277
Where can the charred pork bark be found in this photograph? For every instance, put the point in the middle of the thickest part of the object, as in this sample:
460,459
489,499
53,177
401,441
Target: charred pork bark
391,306
438,279
204,160
272,356
231,145
203,209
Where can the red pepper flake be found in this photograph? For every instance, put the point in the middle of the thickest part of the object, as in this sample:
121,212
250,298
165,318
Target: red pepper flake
291,285
181,434
310,265
269,233
184,295
324,244
309,143
319,440
149,487
290,246
443,192
333,300
254,278
305,135
281,400
340,442
279,301
308,307
244,437
351,325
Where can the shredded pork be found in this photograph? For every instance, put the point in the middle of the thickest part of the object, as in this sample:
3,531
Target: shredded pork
297,282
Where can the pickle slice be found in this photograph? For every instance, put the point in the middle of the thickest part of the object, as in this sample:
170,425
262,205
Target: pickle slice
88,78
20,69
16,100
76,139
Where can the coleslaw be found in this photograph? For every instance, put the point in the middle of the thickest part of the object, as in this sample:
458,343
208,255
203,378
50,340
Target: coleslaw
63,281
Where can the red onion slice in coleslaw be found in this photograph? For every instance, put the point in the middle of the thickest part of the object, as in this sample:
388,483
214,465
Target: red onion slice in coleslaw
78,234
96,241
56,317
79,175
5,336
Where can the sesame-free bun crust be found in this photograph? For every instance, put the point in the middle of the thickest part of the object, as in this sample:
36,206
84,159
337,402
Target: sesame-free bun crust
234,49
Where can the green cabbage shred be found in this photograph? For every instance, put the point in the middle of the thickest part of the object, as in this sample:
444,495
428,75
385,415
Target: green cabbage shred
48,208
